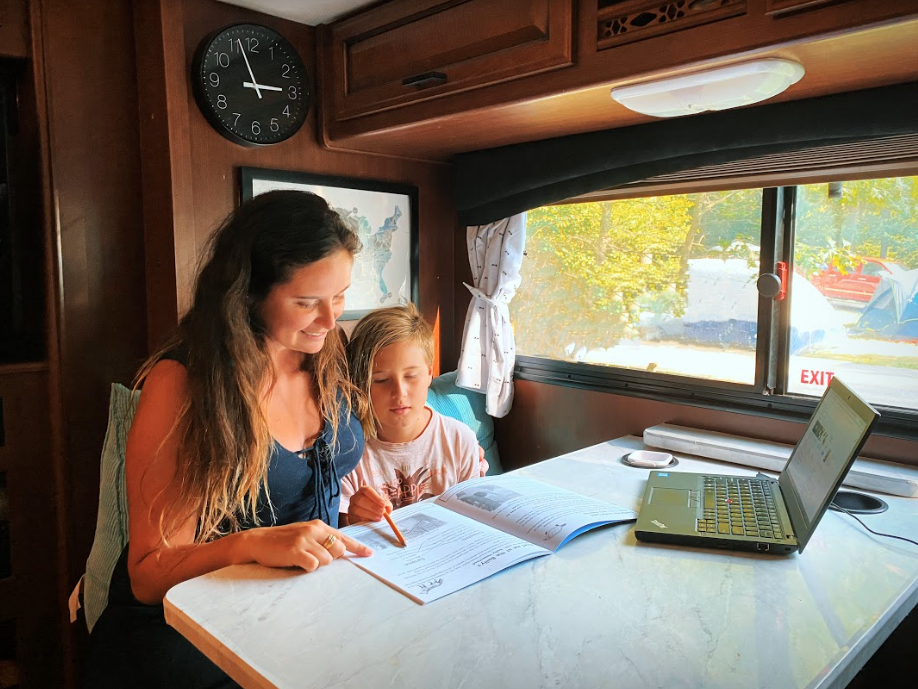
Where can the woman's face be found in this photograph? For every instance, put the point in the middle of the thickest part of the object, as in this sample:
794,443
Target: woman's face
298,314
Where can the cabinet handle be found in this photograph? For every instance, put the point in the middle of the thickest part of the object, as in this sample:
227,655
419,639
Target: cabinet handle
424,80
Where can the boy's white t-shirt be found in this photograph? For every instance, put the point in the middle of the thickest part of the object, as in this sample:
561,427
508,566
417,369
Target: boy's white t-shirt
445,454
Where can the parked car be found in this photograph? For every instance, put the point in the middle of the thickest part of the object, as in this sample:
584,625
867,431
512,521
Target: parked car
858,284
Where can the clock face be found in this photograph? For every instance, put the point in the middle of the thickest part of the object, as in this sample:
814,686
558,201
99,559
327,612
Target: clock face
251,84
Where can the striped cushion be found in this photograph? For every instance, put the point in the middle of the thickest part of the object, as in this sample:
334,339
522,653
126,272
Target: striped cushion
112,519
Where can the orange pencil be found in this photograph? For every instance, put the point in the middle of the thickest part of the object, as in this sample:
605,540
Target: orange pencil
398,534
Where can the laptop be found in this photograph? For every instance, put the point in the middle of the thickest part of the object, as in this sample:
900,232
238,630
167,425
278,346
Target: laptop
759,513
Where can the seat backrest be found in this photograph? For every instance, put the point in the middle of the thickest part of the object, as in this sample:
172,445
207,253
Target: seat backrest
112,521
467,406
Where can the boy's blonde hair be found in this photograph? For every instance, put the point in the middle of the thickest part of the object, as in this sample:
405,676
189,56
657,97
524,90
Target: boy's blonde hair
376,330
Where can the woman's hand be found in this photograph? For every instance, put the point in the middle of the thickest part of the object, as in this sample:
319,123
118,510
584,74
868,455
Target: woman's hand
308,545
483,465
367,505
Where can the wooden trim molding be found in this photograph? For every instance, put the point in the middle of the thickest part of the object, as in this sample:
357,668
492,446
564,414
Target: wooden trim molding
51,230
165,145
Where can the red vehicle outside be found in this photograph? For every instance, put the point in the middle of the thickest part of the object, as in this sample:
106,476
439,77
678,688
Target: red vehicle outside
858,284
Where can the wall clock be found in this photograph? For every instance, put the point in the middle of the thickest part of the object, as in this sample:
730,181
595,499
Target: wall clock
251,84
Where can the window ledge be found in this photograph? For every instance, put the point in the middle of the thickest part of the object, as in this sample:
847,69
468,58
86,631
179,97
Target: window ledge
730,397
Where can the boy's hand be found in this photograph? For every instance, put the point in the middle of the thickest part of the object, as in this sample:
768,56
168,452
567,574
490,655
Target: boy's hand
367,506
482,462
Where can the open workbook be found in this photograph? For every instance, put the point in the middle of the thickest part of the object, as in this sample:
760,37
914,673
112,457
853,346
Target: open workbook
476,529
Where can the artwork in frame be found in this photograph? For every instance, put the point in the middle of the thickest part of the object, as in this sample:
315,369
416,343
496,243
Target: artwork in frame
384,216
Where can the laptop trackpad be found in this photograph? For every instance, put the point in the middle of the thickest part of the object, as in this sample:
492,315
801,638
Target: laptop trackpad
673,497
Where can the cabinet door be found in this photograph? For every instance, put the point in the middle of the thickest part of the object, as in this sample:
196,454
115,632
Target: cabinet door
30,652
628,21
409,50
14,28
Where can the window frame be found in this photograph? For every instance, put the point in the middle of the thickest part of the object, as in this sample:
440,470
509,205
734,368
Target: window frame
767,396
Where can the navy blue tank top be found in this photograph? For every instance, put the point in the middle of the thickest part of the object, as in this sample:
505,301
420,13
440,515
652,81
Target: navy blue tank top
306,484
302,485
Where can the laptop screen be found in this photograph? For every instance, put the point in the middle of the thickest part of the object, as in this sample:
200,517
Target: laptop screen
834,436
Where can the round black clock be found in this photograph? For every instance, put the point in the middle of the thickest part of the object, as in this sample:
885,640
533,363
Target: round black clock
251,84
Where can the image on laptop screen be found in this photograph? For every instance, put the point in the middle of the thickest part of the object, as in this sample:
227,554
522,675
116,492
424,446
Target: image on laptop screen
822,454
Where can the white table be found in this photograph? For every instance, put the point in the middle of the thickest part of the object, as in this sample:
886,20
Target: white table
603,611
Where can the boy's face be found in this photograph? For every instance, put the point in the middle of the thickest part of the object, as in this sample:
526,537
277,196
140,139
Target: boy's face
398,389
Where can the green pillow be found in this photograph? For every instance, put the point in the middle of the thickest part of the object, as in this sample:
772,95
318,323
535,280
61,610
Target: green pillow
467,406
112,520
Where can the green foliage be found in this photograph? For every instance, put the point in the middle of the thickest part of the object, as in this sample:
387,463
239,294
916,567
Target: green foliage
731,222
810,260
875,217
593,269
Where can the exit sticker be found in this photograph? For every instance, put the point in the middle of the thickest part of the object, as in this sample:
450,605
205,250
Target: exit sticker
813,377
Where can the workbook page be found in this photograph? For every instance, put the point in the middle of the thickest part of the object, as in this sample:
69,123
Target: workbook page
529,509
445,552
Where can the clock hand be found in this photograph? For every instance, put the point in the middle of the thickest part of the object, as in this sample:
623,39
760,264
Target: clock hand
250,85
249,67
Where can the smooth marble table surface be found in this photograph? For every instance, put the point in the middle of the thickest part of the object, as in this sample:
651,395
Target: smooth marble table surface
604,611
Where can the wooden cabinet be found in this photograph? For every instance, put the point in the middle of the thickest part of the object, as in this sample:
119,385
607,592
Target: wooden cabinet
14,28
408,51
780,6
635,20
29,643
429,79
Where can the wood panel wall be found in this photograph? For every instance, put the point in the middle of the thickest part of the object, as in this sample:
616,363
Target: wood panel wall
190,166
550,420
86,126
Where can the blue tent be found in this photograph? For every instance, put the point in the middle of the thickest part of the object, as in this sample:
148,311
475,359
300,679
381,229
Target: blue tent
892,313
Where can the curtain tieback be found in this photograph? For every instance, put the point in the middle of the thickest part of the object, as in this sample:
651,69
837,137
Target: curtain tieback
484,297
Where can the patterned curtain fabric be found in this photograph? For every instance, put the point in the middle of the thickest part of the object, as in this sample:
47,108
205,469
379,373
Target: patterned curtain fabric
488,352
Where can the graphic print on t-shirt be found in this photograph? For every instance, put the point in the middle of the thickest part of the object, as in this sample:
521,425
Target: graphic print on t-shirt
408,488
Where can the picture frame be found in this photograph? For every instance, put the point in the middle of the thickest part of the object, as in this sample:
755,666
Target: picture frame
385,217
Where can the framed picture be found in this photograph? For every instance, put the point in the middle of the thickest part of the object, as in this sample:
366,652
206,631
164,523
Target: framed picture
383,215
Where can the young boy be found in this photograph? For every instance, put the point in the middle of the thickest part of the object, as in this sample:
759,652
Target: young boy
412,452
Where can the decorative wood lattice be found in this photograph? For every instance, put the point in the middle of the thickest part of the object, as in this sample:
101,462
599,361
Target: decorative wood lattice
626,22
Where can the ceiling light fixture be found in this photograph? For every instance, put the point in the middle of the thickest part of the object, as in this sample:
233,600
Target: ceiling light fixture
711,89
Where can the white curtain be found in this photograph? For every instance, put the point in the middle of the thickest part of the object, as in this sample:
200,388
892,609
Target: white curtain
488,352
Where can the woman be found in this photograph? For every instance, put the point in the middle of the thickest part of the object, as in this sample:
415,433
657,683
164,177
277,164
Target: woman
241,435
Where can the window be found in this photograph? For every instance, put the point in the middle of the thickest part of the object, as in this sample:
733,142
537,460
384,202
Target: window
663,284
659,294
855,245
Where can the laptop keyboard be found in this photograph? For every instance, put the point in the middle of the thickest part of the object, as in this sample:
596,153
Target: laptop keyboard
739,506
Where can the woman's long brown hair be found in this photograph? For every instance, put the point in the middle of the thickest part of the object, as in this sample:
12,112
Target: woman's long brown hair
225,444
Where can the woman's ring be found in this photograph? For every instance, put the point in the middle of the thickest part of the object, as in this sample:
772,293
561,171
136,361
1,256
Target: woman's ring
330,541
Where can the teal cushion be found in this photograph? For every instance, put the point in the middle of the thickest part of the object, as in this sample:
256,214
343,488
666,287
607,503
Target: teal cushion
469,407
112,519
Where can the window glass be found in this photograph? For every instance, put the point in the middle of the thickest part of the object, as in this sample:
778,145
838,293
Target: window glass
663,284
856,270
